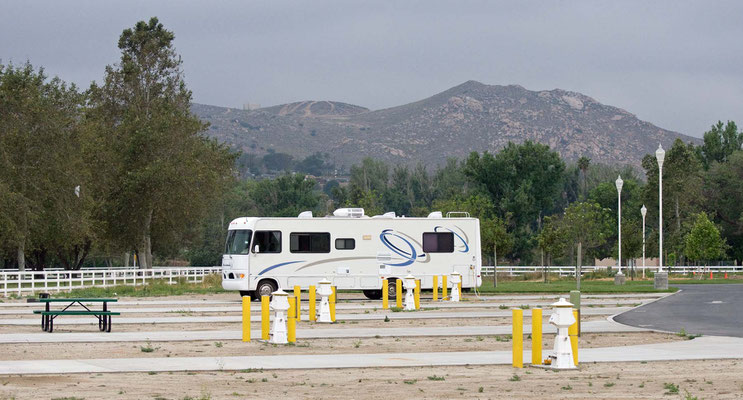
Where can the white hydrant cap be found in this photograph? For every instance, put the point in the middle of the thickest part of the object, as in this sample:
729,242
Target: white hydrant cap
456,277
280,301
409,281
324,288
562,303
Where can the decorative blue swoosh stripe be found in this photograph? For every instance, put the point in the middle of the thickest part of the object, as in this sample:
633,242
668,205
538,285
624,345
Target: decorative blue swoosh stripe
278,265
408,256
466,246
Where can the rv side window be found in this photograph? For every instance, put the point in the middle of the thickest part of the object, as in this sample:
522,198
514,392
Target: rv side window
438,242
267,241
345,244
309,243
238,241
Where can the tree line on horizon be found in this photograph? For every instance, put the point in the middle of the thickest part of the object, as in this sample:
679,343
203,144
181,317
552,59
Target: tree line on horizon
124,167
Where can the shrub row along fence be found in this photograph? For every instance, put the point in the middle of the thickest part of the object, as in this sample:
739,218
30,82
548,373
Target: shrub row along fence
587,269
14,282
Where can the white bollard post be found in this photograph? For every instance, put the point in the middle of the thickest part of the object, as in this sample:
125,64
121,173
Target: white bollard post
280,304
409,282
562,318
325,290
456,278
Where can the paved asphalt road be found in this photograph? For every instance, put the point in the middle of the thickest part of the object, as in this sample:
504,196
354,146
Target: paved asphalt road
709,309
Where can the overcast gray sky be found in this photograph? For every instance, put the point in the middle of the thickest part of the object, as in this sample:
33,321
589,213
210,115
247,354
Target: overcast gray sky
676,64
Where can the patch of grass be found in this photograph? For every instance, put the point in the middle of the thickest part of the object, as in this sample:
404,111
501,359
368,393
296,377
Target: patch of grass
524,307
671,388
503,307
609,384
147,349
514,378
251,370
357,343
386,319
568,387
436,378
565,285
688,396
686,335
218,344
503,338
159,287
410,381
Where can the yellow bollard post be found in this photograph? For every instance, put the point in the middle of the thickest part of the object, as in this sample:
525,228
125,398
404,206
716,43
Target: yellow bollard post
518,338
398,290
291,330
298,295
246,318
334,296
444,287
385,295
331,302
417,294
459,286
435,288
573,333
292,312
265,318
313,314
536,336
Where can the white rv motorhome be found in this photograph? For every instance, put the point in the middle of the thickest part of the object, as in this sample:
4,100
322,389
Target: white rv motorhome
350,249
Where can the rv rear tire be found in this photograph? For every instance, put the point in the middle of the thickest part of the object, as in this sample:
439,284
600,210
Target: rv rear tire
265,288
392,289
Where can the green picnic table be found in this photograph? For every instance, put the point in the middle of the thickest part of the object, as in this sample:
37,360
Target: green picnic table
103,316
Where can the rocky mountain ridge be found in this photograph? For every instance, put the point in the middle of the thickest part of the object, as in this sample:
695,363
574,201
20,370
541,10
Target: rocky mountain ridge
468,117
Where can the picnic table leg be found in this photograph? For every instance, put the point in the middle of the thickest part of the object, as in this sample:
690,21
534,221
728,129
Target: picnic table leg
108,326
50,324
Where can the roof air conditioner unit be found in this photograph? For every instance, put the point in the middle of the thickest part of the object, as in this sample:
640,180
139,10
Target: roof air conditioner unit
305,214
435,214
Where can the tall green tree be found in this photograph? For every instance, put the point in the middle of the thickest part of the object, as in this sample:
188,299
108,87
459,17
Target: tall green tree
683,186
703,242
162,173
723,193
583,164
40,166
586,223
523,180
720,142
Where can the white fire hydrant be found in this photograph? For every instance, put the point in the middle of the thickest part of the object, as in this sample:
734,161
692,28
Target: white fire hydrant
456,278
409,282
325,290
280,304
562,317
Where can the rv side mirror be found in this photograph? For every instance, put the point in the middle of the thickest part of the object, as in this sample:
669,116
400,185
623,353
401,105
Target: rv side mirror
255,249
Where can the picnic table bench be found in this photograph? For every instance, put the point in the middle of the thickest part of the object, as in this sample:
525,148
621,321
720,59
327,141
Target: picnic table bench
103,316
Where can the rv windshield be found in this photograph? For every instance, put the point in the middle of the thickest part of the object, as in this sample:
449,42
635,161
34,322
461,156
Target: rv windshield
238,241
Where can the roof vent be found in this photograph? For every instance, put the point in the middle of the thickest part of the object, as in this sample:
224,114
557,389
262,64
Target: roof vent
387,215
305,214
435,214
349,212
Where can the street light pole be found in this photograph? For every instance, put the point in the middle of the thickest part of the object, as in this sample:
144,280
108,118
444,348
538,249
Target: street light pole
660,155
643,211
661,278
619,183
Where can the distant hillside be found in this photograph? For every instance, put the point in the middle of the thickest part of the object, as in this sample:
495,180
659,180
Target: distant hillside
469,117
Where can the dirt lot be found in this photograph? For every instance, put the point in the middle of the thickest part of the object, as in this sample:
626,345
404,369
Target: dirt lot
652,380
58,351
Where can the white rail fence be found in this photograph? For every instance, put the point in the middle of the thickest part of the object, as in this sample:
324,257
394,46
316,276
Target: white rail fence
57,280
570,270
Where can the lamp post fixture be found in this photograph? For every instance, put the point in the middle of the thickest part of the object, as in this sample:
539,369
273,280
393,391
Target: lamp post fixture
644,212
619,183
661,278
